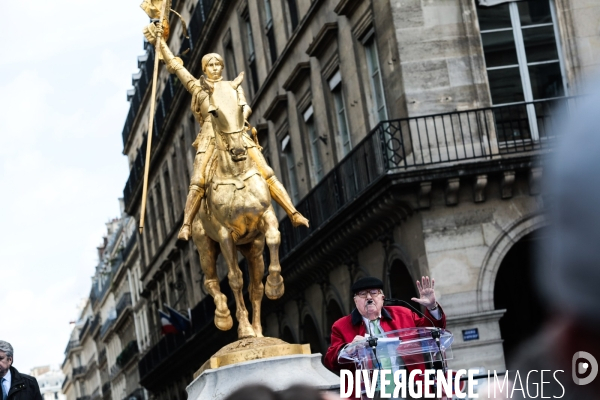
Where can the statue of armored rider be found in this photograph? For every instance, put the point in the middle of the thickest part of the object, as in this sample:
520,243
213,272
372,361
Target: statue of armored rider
212,66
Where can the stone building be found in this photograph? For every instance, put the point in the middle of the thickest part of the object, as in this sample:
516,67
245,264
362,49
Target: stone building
50,379
410,133
102,354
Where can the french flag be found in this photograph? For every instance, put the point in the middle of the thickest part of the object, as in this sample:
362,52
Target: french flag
166,324
173,321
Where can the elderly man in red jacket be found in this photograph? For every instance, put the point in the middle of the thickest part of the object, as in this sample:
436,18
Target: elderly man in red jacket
370,316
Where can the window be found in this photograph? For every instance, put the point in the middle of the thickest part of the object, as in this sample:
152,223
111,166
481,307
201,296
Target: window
290,165
169,193
343,143
313,137
250,50
292,14
270,31
230,65
160,209
523,64
378,111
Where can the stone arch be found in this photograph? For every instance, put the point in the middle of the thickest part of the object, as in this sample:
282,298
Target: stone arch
287,334
398,266
496,253
333,294
333,310
310,331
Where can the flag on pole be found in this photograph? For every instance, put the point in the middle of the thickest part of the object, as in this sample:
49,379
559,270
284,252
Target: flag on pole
179,321
166,324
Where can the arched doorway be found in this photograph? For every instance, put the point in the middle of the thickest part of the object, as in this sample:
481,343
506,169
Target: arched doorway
515,291
402,286
311,335
287,335
333,312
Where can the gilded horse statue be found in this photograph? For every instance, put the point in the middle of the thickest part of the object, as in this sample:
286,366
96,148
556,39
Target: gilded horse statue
236,214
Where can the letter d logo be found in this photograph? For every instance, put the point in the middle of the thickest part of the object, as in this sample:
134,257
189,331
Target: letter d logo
581,364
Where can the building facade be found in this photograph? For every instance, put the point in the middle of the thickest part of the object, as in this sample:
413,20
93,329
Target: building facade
411,134
102,354
50,379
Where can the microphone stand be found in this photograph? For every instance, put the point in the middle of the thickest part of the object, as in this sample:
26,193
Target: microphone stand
372,341
435,334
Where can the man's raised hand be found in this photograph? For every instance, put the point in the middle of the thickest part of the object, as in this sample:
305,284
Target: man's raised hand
426,292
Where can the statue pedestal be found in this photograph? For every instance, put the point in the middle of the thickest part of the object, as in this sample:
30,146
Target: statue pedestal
278,373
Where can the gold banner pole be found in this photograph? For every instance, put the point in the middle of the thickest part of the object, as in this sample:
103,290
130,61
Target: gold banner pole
151,116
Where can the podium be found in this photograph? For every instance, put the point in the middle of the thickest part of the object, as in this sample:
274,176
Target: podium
404,349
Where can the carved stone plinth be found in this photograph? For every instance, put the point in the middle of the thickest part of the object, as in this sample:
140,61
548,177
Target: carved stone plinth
278,373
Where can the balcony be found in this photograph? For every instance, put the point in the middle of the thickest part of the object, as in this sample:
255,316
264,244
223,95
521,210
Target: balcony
94,324
137,394
105,388
71,345
79,371
163,105
124,301
106,326
129,246
405,146
102,357
127,354
95,394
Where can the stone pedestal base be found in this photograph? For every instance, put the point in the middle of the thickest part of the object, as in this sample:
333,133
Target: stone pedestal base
278,373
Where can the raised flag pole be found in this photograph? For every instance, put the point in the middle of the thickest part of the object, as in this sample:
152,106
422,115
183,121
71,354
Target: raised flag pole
164,8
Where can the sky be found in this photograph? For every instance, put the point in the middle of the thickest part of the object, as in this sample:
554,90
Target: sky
65,69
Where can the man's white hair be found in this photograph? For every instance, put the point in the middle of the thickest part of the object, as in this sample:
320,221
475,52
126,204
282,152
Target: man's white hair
6,348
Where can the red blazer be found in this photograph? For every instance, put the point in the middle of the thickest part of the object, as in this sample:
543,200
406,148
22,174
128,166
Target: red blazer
392,318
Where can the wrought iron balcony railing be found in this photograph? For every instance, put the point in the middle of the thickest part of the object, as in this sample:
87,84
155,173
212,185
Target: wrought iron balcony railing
403,145
65,381
72,344
78,371
105,388
102,356
83,330
129,246
127,354
106,326
123,302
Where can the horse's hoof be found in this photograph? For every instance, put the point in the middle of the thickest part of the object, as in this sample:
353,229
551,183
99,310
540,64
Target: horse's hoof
223,319
246,332
274,290
184,233
223,323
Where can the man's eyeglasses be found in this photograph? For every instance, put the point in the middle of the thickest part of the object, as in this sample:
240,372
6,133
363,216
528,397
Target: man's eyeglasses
372,292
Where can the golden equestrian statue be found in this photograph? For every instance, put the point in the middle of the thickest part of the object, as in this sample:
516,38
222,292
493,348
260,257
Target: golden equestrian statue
228,207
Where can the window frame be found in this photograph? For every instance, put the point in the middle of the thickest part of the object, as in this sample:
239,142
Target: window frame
379,112
523,66
336,87
317,170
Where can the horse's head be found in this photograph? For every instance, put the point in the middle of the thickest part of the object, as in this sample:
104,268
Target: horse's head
227,116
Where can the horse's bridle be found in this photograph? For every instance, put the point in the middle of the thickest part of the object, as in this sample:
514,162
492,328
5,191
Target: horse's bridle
222,134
